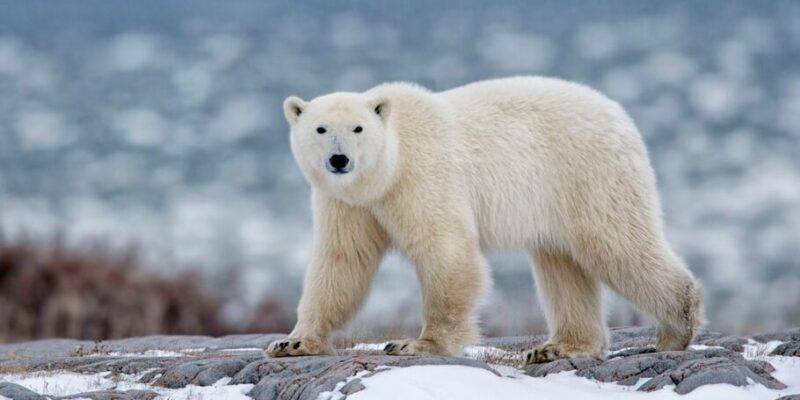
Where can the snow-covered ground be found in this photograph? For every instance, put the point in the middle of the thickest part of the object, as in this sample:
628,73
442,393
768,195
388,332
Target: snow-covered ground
454,382
451,382
70,383
438,382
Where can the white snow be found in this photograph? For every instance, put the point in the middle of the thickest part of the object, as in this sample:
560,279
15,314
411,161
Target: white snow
148,353
440,382
62,383
474,352
491,353
465,383
759,350
369,346
443,382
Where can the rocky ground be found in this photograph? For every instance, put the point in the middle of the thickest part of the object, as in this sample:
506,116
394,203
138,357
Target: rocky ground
149,367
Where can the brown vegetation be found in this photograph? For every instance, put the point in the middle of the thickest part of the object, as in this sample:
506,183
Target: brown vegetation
54,290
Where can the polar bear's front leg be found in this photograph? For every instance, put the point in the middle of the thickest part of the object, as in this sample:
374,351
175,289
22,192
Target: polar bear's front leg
453,275
572,303
348,247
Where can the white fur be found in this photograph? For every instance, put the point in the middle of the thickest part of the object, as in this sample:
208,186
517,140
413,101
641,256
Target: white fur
540,165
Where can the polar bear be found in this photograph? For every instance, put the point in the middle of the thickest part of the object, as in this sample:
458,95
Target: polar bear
536,164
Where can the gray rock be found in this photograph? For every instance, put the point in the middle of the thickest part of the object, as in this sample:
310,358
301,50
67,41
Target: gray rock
621,338
51,348
632,352
734,343
306,377
201,373
351,387
787,335
114,395
790,397
695,373
218,370
787,349
240,357
179,375
150,376
644,365
686,369
540,370
17,392
253,372
515,343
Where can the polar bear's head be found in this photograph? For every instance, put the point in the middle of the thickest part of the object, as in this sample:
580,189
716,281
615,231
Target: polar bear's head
343,144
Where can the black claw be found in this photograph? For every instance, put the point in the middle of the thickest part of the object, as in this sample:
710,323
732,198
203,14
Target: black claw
404,346
296,345
283,345
389,347
528,357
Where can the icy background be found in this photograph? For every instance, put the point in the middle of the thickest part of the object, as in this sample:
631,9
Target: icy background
160,124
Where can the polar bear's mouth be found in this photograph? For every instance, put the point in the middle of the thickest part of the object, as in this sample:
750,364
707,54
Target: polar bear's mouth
339,164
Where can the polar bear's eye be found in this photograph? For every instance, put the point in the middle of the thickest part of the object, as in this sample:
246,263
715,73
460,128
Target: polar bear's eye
358,129
321,130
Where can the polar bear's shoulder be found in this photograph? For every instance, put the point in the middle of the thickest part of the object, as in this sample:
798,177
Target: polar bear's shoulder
546,87
399,89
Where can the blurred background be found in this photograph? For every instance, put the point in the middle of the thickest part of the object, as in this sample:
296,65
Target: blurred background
147,185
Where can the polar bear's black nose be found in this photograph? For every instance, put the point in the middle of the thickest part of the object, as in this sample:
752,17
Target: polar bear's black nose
339,162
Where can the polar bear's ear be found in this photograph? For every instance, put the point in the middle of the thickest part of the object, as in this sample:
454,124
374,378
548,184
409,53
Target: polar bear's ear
380,106
293,106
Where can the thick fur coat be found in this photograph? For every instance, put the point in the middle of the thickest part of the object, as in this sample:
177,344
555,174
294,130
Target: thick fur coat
533,164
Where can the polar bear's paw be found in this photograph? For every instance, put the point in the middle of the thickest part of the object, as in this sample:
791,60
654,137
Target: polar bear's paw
290,347
412,347
552,351
544,353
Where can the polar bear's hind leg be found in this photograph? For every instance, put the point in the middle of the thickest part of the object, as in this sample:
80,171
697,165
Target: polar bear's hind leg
655,280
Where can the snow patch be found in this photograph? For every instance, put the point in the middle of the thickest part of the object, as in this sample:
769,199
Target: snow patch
452,382
490,354
369,346
759,350
148,353
60,383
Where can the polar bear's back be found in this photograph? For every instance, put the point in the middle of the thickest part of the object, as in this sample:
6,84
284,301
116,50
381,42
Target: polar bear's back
542,155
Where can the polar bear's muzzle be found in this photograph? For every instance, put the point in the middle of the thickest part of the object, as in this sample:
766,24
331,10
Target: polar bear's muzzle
339,164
